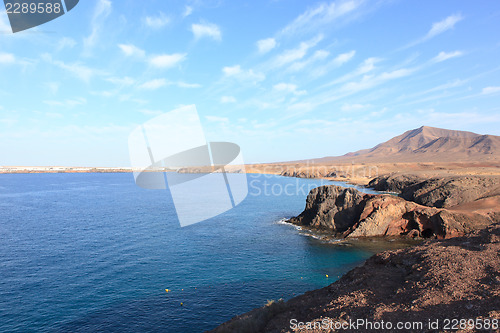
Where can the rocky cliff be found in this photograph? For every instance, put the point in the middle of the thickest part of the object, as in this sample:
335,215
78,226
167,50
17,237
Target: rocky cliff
449,279
443,192
347,212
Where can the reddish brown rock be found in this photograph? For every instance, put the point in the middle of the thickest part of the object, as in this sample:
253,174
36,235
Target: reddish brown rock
346,212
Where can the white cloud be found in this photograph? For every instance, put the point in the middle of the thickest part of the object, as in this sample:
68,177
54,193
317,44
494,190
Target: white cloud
217,119
366,66
298,53
442,56
227,99
167,60
244,75
121,81
323,14
370,81
131,50
266,45
187,11
490,90
7,58
101,12
68,103
209,30
231,71
157,22
344,57
444,25
65,42
299,65
82,72
153,84
290,88
438,28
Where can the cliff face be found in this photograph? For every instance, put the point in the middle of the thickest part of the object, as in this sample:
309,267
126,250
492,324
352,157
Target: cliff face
444,192
346,212
449,279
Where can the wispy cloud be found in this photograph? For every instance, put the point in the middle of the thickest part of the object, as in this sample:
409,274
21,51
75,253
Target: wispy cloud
320,15
167,60
188,10
227,99
354,107
289,88
157,22
209,30
101,11
298,53
132,51
438,28
338,61
442,56
67,103
490,90
121,81
159,83
65,42
79,70
370,81
153,84
444,25
365,67
266,45
7,58
243,75
299,65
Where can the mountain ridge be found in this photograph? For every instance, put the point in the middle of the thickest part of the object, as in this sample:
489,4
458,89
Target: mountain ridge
427,144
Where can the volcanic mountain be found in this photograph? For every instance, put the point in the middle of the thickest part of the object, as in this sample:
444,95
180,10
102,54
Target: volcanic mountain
428,144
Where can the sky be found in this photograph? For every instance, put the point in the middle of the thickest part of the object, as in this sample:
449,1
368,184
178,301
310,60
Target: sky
284,79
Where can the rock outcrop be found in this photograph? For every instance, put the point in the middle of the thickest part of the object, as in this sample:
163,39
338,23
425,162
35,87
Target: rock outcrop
347,212
443,192
450,279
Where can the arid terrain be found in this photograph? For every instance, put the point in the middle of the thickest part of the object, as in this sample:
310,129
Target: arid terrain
445,186
425,151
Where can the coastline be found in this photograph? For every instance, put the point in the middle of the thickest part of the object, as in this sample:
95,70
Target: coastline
409,269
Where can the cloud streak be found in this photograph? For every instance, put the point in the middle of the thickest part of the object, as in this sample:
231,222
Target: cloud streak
206,30
438,28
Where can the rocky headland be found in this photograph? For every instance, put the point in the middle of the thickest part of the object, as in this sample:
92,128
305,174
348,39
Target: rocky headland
435,282
443,186
426,208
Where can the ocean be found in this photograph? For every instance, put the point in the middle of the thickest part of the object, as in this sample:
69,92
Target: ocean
94,252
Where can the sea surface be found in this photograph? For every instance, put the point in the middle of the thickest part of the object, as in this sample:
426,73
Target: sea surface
94,252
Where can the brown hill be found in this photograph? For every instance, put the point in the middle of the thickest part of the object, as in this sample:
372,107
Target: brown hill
427,144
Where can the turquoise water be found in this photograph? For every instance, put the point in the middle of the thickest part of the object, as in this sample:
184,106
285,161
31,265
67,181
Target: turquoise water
94,252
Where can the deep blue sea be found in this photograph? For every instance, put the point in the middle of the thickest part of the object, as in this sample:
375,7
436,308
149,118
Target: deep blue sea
94,252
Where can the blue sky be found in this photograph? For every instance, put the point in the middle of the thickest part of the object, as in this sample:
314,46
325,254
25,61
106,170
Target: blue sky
284,79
